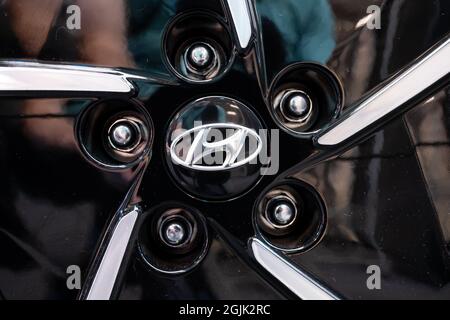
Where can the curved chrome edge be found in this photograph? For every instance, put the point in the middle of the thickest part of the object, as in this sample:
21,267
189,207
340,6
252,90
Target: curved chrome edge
116,245
23,76
106,274
427,70
240,19
292,277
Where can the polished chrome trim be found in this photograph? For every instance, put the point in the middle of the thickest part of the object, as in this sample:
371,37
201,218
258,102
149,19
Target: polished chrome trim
292,277
428,69
240,19
108,269
23,76
232,146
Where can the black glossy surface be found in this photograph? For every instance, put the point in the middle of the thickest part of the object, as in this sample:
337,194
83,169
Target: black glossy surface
54,205
387,204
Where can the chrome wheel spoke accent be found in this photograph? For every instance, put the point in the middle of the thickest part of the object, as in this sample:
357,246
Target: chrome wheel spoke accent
22,78
421,75
296,280
239,16
259,59
115,245
244,19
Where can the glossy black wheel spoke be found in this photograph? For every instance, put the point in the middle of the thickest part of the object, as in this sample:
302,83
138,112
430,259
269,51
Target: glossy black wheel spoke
390,99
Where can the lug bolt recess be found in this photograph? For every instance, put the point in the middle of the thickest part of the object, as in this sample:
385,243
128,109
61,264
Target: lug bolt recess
173,239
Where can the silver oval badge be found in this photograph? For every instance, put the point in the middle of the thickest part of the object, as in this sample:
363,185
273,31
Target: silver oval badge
216,147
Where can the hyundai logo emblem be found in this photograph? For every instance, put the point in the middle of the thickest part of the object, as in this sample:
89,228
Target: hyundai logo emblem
216,147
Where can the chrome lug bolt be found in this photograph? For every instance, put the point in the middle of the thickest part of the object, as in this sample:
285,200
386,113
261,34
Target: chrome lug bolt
283,213
124,135
200,55
296,106
299,105
174,233
175,230
121,135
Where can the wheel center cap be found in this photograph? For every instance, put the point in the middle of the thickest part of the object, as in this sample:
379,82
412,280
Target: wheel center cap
213,145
